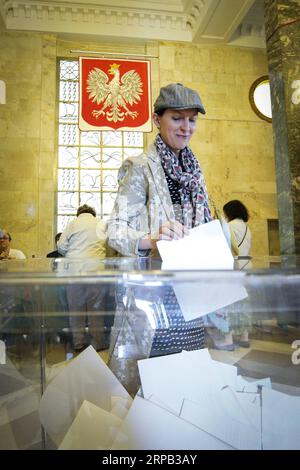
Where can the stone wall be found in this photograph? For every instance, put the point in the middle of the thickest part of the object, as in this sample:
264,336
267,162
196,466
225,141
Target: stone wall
234,147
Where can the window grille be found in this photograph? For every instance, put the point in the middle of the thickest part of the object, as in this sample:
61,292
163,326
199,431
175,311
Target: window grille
88,162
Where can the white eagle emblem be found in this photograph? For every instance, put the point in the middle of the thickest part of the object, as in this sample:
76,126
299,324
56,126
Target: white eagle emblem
116,94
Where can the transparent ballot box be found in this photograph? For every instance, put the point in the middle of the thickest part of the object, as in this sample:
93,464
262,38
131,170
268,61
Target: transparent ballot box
120,354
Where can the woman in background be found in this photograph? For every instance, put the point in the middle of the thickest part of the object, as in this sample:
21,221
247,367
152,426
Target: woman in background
237,216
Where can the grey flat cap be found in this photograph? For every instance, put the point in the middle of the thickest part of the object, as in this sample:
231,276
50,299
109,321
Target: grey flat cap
178,96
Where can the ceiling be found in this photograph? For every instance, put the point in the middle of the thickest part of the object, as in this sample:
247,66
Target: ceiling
230,22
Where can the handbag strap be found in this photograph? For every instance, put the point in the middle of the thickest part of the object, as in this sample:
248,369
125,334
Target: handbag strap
243,236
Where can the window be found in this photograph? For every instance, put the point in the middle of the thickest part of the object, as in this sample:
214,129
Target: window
88,162
260,98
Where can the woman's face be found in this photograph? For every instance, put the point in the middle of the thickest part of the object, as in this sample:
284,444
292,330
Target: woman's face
176,127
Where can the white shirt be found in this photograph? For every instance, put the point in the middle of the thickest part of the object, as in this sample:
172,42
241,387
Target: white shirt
16,254
239,227
84,237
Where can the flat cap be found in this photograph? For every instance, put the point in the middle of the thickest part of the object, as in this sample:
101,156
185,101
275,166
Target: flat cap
178,96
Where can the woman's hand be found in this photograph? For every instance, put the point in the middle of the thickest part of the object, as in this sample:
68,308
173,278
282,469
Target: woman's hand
172,230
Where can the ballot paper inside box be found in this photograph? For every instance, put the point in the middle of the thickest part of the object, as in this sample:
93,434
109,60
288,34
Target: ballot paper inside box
186,401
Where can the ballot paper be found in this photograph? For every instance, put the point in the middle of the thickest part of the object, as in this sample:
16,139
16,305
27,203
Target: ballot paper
204,248
280,420
243,385
173,378
220,416
92,429
87,377
148,426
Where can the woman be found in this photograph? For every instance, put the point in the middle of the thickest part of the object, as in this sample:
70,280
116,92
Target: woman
237,215
161,195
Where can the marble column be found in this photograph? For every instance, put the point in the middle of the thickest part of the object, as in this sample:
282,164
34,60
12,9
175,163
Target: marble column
282,18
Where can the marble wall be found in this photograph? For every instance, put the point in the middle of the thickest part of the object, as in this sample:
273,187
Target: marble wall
234,147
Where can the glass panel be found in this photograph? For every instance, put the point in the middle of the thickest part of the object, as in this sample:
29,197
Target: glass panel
63,221
108,200
68,112
112,158
68,134
90,138
92,199
90,157
69,70
89,179
110,180
132,152
67,203
133,139
67,179
68,91
111,138
68,157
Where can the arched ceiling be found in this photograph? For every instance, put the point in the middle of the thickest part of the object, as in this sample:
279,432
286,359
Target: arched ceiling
231,22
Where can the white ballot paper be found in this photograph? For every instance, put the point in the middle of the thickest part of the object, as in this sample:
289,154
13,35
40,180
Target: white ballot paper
280,420
86,378
92,429
170,379
204,248
147,426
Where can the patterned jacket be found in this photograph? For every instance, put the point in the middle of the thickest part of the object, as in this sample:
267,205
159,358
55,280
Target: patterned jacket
143,203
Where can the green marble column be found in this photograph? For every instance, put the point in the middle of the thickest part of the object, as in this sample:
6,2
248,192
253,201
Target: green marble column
282,18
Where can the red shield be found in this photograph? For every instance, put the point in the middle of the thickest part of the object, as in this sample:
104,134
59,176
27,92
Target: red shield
114,94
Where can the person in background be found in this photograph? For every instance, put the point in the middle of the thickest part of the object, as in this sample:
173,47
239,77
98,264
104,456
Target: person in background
237,216
83,239
55,253
6,252
161,195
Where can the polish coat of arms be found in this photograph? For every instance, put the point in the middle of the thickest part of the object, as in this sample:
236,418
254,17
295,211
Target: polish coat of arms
115,95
